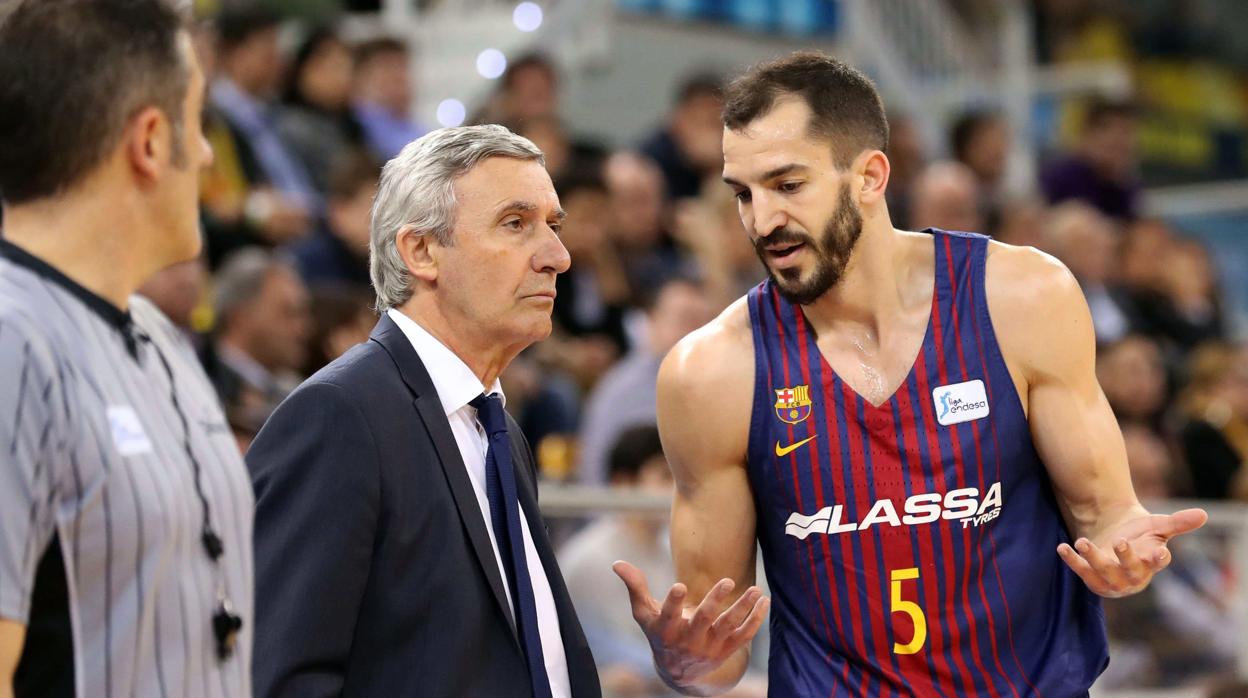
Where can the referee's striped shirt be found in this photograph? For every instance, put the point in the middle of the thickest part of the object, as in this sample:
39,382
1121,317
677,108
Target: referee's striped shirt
100,552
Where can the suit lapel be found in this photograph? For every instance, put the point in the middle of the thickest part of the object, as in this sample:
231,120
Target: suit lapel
429,407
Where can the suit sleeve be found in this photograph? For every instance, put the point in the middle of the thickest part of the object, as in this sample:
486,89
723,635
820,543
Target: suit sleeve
315,469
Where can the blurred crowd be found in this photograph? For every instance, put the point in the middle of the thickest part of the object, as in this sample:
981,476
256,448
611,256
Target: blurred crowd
282,288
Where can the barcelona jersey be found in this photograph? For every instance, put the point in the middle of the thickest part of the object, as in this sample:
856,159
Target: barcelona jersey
910,546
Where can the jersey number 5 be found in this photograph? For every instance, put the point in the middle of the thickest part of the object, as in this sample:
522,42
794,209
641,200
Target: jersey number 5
909,608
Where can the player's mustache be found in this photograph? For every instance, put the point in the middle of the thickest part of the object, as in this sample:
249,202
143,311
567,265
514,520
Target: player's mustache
783,236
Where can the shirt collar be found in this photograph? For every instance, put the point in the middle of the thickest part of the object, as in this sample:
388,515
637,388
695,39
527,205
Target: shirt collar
455,383
105,309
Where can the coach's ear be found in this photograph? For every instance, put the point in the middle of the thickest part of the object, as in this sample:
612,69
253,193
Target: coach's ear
871,170
415,251
147,143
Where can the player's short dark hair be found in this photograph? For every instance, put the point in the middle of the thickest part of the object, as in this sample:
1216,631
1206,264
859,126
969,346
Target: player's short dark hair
72,72
633,447
966,127
236,25
846,110
372,49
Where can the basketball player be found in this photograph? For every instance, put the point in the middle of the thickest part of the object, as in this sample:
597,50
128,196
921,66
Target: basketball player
908,423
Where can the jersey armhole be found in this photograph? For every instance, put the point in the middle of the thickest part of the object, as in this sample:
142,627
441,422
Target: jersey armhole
987,332
761,385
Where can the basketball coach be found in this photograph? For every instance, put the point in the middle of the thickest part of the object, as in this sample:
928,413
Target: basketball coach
399,546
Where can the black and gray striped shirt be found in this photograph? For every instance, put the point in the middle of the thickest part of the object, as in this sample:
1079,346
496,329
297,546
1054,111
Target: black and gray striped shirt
99,518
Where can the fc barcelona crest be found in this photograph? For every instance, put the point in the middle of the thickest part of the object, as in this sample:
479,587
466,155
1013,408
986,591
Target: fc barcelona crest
793,404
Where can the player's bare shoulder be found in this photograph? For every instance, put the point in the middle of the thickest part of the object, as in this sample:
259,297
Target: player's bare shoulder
1036,305
705,389
720,354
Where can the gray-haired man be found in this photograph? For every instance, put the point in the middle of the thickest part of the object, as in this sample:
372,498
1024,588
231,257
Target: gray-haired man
399,546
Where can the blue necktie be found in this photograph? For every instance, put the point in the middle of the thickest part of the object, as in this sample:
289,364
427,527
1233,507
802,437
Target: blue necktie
500,489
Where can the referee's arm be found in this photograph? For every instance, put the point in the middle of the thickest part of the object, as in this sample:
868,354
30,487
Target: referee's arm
31,423
315,472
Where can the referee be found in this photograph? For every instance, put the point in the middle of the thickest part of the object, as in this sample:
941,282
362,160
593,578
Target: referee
125,508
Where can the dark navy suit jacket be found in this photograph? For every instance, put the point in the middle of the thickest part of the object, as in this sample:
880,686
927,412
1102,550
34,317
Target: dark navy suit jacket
374,571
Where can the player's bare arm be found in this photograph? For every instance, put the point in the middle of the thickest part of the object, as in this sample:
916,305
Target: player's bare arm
1045,331
12,637
701,632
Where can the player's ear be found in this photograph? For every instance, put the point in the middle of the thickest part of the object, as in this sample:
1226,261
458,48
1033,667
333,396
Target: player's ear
872,169
419,252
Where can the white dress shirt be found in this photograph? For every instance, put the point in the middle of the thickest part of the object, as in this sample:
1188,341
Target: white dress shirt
457,385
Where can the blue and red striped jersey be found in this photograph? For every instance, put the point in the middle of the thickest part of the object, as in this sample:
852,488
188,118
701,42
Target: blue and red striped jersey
910,546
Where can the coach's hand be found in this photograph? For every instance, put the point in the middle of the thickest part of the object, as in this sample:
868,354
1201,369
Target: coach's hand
1124,559
691,642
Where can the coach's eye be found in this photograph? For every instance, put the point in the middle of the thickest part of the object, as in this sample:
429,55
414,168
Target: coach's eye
743,196
790,187
515,223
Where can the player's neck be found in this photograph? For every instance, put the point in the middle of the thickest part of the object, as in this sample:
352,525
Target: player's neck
88,237
873,289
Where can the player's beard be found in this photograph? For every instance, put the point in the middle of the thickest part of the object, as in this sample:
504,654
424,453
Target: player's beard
831,253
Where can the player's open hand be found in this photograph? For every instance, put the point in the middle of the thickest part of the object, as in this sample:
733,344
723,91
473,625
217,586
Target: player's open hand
1124,559
691,642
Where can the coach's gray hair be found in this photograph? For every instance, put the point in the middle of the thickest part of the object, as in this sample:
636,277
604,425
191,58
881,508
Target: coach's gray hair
417,188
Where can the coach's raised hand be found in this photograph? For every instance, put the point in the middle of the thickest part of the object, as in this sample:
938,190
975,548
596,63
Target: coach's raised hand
692,642
1124,559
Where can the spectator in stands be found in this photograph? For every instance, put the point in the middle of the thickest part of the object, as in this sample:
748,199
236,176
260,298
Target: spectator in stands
688,148
258,344
907,158
338,252
1152,468
316,120
382,98
343,318
637,220
1133,376
257,192
1215,431
529,90
594,294
564,154
1102,170
946,196
1190,311
1085,241
178,291
709,228
626,394
1021,221
635,464
980,139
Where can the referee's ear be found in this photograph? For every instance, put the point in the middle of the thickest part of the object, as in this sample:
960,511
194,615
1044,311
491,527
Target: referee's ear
416,251
148,143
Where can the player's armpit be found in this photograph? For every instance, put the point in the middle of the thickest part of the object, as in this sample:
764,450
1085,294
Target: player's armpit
12,639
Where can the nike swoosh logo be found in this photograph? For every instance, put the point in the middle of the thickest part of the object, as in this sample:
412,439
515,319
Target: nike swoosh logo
786,450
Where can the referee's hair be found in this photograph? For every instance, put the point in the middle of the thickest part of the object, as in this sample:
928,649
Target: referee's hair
845,108
72,73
